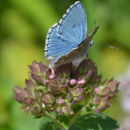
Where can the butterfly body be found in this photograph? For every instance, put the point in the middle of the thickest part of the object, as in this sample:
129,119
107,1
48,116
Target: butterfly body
66,41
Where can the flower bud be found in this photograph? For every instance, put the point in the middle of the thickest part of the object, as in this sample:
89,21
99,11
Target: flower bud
20,94
89,74
113,85
78,94
46,82
51,76
34,68
105,91
29,83
81,82
97,90
67,110
77,91
43,68
60,101
36,110
69,97
28,101
97,100
37,78
73,81
79,98
59,110
47,99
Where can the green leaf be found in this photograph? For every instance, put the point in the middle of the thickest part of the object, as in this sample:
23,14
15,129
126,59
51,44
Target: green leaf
49,126
94,122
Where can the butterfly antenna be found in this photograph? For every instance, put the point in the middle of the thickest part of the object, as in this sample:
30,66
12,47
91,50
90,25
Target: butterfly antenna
93,32
89,37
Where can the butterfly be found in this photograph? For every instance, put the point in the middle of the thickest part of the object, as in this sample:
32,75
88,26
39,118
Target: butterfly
66,41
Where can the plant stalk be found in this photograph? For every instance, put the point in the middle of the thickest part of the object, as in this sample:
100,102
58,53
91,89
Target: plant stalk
58,123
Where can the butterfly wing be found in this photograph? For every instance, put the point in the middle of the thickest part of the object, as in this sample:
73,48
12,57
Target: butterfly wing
56,46
65,36
72,26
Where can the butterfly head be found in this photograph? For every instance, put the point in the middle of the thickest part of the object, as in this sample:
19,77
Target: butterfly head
91,43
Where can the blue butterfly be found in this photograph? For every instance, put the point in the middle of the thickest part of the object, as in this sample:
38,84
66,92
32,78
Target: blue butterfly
66,41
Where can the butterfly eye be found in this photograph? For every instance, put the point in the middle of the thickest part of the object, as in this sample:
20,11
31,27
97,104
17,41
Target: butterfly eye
90,44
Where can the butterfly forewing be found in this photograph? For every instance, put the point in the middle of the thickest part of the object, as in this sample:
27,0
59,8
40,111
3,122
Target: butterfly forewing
73,24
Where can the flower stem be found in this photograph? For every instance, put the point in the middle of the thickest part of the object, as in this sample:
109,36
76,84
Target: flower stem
75,116
79,112
57,122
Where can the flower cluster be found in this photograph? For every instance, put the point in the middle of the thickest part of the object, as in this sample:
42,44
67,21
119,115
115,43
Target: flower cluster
65,89
103,94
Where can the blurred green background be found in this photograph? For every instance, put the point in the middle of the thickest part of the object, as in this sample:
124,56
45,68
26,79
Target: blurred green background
23,28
